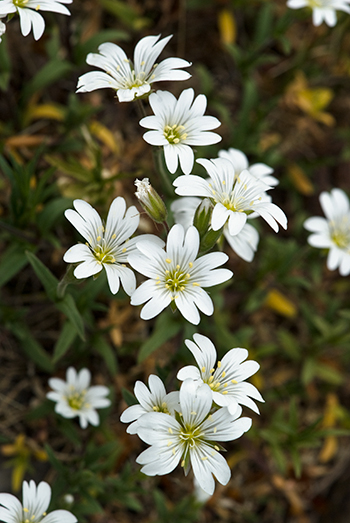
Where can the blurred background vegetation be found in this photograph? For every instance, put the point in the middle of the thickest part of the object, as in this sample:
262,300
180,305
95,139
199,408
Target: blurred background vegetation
281,88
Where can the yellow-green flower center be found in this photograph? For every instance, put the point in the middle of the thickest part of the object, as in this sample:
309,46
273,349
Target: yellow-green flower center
161,408
76,400
176,279
20,3
102,255
315,3
340,232
191,435
175,133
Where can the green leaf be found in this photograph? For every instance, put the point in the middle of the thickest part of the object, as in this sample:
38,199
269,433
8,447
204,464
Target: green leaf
129,398
11,262
32,348
164,329
55,462
67,304
46,277
308,371
328,374
68,307
296,460
52,212
264,25
49,74
67,336
107,353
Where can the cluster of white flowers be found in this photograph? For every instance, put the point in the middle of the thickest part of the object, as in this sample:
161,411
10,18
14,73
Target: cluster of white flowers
237,192
186,427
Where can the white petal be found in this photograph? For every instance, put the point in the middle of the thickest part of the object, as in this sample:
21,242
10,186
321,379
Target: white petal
171,157
87,268
59,516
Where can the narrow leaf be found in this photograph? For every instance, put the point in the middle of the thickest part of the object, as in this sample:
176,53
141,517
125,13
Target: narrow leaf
165,329
67,336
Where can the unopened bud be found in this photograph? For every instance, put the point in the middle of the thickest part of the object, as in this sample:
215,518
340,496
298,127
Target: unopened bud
68,499
202,217
209,239
150,201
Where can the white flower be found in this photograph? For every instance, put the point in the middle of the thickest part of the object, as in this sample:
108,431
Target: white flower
176,275
226,381
36,500
28,13
132,79
154,399
333,232
244,243
75,398
108,246
177,124
260,171
2,29
322,10
234,197
191,437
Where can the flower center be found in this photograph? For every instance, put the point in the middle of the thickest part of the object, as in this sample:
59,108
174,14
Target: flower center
175,133
191,435
340,232
103,254
76,400
176,279
136,80
161,408
20,3
315,3
216,381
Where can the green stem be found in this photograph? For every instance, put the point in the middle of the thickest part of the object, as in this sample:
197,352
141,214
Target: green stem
66,280
163,172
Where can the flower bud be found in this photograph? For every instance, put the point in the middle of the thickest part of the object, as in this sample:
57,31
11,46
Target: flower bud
150,201
209,239
202,217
